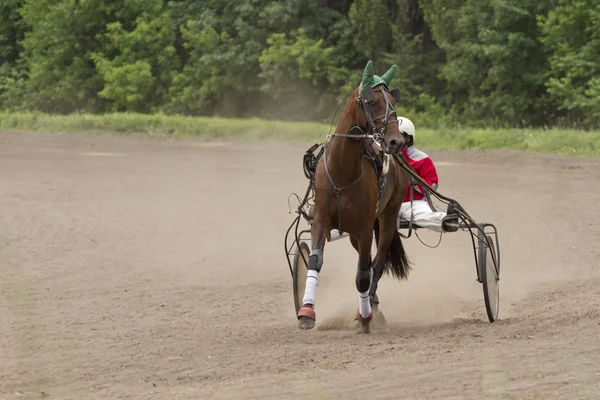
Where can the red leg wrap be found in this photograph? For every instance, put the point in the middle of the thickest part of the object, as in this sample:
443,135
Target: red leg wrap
308,312
364,321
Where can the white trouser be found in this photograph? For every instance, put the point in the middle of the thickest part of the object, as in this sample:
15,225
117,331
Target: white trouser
423,215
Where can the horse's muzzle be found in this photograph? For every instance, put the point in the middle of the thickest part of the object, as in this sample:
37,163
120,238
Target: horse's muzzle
394,145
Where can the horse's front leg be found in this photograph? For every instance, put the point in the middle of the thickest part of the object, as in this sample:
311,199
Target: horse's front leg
320,228
363,280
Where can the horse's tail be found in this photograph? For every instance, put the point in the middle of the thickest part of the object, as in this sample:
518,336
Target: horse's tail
396,260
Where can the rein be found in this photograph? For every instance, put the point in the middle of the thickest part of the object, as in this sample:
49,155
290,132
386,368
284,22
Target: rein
377,136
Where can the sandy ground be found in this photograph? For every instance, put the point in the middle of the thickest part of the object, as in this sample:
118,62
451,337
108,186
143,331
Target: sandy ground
156,270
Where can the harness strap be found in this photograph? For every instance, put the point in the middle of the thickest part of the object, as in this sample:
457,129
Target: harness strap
357,137
376,137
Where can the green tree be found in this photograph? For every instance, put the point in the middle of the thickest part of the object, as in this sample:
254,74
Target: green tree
211,76
220,46
95,55
12,31
220,43
297,71
371,21
12,70
137,63
419,59
62,76
504,62
495,65
572,36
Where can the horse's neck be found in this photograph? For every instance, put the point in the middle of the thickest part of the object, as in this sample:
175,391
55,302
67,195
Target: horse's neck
344,156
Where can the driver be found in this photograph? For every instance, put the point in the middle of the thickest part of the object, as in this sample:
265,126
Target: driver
422,214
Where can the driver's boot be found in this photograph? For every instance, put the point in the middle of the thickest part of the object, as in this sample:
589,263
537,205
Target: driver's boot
450,222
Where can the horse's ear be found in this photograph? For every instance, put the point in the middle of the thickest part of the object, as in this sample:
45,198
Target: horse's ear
389,75
396,95
367,78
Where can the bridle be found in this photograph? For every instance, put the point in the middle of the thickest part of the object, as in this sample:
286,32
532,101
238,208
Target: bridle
374,132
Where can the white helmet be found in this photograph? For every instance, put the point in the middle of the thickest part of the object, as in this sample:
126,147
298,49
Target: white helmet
405,125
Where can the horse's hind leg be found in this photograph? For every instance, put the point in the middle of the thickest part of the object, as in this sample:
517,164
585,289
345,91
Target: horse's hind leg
363,281
390,251
307,315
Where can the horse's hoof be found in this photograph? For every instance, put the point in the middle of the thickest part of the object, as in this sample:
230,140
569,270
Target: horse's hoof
306,317
363,324
305,323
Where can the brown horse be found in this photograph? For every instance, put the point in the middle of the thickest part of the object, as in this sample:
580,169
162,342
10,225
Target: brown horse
351,196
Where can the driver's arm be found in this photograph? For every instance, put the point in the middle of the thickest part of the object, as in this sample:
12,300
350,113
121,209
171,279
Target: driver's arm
428,173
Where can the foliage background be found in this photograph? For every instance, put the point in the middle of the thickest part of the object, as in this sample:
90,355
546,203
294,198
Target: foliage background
463,63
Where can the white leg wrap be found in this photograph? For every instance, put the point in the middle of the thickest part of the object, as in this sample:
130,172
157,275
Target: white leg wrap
312,280
365,305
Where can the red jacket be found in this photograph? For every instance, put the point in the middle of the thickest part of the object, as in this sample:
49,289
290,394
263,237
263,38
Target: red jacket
424,167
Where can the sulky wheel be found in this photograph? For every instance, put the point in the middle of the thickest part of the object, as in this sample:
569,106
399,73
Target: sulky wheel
489,270
299,271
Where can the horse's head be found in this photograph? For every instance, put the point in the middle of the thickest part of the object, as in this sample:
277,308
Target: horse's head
376,108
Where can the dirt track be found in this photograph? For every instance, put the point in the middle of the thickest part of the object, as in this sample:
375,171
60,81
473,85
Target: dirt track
154,269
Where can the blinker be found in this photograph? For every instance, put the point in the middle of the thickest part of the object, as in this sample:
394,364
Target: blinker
367,93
